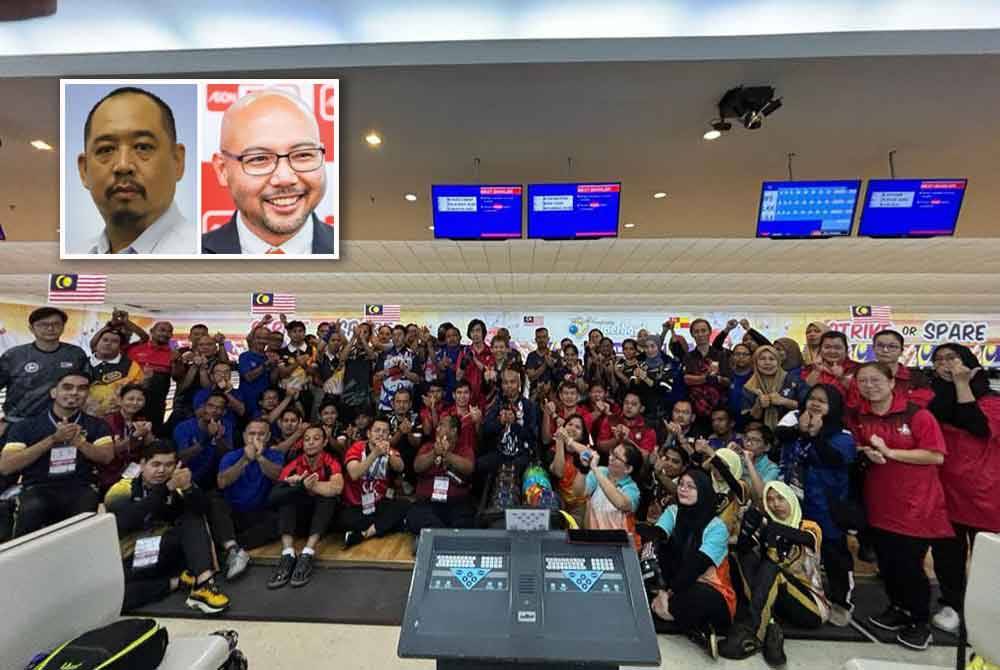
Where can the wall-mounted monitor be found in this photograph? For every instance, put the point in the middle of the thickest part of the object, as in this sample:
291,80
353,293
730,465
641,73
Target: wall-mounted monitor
477,212
574,211
911,207
807,208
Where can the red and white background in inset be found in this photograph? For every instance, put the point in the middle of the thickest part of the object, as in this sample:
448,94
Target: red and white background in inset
216,97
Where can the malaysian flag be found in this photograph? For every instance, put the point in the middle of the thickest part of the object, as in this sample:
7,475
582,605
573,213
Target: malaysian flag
871,314
533,320
272,303
382,313
78,289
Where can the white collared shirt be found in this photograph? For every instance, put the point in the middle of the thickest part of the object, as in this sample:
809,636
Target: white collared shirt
172,233
95,361
299,245
298,349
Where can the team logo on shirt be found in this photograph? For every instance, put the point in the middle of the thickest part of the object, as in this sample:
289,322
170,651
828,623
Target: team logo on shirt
31,367
66,364
112,376
904,429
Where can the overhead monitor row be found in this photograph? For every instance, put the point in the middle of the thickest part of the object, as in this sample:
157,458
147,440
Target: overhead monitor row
891,208
555,211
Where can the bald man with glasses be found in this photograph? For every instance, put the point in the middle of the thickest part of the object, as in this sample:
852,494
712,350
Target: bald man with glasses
272,161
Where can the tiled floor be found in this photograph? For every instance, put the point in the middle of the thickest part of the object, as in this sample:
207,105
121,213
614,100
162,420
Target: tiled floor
291,646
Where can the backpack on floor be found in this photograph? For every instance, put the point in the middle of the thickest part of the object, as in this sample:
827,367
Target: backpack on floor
130,644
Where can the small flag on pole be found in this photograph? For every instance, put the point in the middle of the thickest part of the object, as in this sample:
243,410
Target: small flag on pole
382,313
871,314
77,289
272,303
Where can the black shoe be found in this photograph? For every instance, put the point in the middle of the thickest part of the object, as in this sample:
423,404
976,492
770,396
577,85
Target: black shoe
739,644
916,636
774,646
351,538
892,619
303,570
283,572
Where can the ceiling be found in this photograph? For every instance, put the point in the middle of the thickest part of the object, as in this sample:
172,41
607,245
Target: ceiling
637,122
941,275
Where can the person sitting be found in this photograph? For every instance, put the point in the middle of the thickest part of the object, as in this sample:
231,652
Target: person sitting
291,429
110,371
55,453
273,402
613,495
443,468
525,410
130,432
603,409
732,493
329,418
555,414
771,392
203,439
469,416
679,430
405,433
433,408
668,464
779,556
758,468
370,464
569,464
161,525
305,496
833,367
630,428
221,377
691,585
723,429
239,514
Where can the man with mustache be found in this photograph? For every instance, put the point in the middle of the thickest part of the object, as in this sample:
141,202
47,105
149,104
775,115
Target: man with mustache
131,164
272,161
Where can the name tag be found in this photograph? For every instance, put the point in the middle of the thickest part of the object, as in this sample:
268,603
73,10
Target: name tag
62,460
147,552
132,471
440,493
368,503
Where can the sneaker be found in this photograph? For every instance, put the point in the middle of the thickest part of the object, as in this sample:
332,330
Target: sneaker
237,561
774,646
282,573
351,538
947,619
208,598
713,645
840,616
186,579
739,644
893,618
916,636
303,570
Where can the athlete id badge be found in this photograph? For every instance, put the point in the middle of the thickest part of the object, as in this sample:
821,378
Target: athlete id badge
440,493
147,552
368,503
62,460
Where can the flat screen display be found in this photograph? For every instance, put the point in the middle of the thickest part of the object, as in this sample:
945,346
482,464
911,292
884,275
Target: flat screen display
573,211
477,212
807,208
911,207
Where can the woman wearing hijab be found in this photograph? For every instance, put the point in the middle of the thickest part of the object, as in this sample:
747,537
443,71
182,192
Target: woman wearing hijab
697,593
969,414
771,392
791,355
833,365
904,499
816,455
732,493
780,563
654,379
814,331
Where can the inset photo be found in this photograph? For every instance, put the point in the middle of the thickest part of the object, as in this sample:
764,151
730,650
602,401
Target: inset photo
270,169
128,169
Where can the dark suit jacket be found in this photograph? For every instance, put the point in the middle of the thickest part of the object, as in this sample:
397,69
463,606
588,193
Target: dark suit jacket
226,240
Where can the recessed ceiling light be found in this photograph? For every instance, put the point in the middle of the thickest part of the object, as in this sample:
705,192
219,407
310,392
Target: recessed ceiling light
712,134
430,227
659,195
630,225
41,146
411,197
373,139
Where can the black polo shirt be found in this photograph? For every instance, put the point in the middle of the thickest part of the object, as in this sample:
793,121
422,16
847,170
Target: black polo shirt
36,428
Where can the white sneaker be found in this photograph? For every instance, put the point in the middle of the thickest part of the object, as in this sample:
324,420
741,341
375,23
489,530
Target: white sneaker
840,616
947,619
237,560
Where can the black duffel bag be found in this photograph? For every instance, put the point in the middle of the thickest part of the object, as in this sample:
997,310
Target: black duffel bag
130,644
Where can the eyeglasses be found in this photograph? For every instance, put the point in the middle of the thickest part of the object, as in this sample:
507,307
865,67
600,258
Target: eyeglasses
262,163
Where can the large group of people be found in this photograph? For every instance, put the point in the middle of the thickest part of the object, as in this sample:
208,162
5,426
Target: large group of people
739,468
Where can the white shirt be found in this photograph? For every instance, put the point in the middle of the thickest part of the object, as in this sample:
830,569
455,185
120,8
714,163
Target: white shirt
299,245
169,234
95,361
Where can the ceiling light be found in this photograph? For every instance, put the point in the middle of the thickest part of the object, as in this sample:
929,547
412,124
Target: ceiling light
712,135
41,145
630,225
659,195
373,138
411,197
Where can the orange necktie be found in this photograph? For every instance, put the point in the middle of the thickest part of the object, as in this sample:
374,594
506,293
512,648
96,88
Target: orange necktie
274,250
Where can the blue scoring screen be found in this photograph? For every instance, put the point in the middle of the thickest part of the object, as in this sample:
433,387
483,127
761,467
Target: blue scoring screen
475,212
912,207
569,211
807,208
